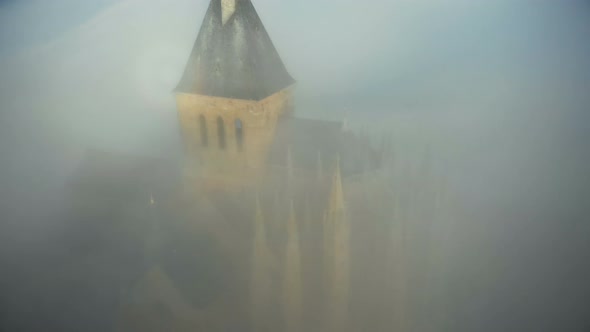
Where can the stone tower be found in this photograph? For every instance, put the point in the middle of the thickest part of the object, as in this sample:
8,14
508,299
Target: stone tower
233,91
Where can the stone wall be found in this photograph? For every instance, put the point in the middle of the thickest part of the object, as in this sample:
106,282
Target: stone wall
229,162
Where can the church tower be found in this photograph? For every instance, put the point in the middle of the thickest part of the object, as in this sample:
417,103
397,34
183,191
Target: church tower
234,89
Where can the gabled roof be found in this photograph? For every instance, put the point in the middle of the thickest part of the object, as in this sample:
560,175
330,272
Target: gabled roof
233,56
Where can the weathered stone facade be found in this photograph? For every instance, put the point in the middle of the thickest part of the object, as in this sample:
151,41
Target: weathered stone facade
231,147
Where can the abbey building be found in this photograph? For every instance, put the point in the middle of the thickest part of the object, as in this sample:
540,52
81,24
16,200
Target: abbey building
271,222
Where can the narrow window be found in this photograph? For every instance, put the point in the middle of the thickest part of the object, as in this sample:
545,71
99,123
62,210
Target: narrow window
221,133
203,131
239,134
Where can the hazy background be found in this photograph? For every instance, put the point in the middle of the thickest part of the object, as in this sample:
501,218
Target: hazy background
499,88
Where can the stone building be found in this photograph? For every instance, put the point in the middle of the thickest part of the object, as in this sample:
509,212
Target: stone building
270,221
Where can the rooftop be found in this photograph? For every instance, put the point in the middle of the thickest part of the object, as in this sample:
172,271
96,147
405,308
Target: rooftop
233,56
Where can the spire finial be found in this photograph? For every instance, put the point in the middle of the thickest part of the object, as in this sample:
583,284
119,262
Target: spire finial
337,256
228,8
262,263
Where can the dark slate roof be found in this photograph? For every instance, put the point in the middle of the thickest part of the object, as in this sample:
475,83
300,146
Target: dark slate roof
236,59
305,138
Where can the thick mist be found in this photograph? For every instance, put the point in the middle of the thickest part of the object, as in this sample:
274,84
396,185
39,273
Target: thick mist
496,90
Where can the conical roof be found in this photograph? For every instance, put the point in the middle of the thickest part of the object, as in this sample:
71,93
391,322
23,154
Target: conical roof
233,56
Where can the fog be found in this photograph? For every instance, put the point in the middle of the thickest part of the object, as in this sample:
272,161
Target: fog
497,91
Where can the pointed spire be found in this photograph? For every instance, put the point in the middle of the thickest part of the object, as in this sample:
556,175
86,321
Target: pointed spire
399,257
345,124
320,166
152,240
259,219
308,221
327,232
228,8
292,283
337,257
292,224
336,195
289,165
275,227
260,289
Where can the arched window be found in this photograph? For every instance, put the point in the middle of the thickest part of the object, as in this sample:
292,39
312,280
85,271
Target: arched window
203,131
239,133
221,133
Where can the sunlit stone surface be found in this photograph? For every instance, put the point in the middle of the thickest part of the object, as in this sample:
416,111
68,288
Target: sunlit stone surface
228,8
